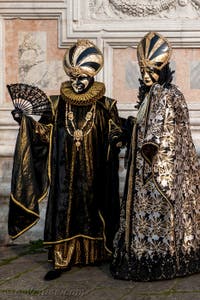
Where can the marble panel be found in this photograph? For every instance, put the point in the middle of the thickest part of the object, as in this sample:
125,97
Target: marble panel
195,75
5,168
36,58
126,74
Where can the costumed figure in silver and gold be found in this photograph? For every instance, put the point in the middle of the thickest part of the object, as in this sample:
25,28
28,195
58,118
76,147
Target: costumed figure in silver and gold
74,154
159,234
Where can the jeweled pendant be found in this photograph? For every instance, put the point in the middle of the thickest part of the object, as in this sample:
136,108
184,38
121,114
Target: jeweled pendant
78,143
78,134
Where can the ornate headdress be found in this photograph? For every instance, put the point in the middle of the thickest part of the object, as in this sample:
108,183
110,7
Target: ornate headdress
83,58
153,51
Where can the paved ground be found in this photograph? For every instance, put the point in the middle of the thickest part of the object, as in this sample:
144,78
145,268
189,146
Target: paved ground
22,268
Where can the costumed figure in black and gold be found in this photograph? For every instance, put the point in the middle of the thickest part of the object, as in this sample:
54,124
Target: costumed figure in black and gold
75,154
159,234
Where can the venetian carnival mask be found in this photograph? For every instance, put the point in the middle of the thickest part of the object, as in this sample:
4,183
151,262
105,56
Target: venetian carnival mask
81,63
81,83
153,53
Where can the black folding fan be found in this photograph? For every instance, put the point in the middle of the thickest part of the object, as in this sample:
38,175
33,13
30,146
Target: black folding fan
29,99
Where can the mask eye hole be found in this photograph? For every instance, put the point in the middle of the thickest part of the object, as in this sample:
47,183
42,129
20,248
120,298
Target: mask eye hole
150,70
72,78
142,70
82,77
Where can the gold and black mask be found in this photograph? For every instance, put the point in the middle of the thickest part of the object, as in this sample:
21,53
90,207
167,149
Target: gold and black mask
81,63
153,52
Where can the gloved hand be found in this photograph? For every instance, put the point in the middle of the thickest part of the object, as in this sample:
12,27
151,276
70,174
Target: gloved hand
115,138
17,115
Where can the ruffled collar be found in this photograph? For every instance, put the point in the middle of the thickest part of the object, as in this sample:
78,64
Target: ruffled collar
96,92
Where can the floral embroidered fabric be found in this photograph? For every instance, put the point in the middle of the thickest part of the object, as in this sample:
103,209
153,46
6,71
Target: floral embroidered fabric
159,234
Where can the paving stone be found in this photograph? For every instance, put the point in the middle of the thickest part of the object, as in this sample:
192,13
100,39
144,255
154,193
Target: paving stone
22,279
155,286
190,283
99,276
106,293
162,297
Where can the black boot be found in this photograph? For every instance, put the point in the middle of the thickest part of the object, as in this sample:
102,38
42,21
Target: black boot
55,273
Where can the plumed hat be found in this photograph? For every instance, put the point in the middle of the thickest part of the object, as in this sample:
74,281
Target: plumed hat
153,51
83,58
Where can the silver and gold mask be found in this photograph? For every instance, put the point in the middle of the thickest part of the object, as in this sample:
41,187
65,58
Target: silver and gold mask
81,63
153,52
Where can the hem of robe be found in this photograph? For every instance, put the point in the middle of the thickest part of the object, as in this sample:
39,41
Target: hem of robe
77,251
84,236
157,266
74,251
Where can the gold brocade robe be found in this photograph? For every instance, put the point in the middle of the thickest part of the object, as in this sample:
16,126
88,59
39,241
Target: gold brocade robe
159,234
83,200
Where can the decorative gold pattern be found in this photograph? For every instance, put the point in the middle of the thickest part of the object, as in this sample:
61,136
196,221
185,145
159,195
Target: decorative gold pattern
79,61
95,93
130,192
43,131
78,251
146,49
160,215
79,133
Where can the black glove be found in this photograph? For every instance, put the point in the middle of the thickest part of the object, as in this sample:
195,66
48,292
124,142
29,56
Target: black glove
128,131
115,138
17,115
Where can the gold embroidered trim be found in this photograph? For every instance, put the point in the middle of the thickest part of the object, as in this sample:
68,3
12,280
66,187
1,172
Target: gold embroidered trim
71,238
24,230
28,211
130,190
95,93
78,251
104,235
85,236
50,152
52,107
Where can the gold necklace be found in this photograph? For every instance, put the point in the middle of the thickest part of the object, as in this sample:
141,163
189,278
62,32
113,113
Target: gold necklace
79,133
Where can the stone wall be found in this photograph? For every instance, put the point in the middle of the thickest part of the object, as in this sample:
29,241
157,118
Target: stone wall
33,39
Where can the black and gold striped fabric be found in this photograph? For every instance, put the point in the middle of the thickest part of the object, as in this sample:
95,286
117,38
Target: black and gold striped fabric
83,58
153,51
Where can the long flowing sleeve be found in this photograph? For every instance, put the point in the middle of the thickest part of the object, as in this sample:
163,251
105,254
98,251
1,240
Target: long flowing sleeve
111,204
30,176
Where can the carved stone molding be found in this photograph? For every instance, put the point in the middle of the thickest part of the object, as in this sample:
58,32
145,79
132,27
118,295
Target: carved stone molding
100,19
131,9
179,20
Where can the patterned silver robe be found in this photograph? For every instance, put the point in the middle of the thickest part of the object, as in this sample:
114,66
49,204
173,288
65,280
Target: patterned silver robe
159,234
